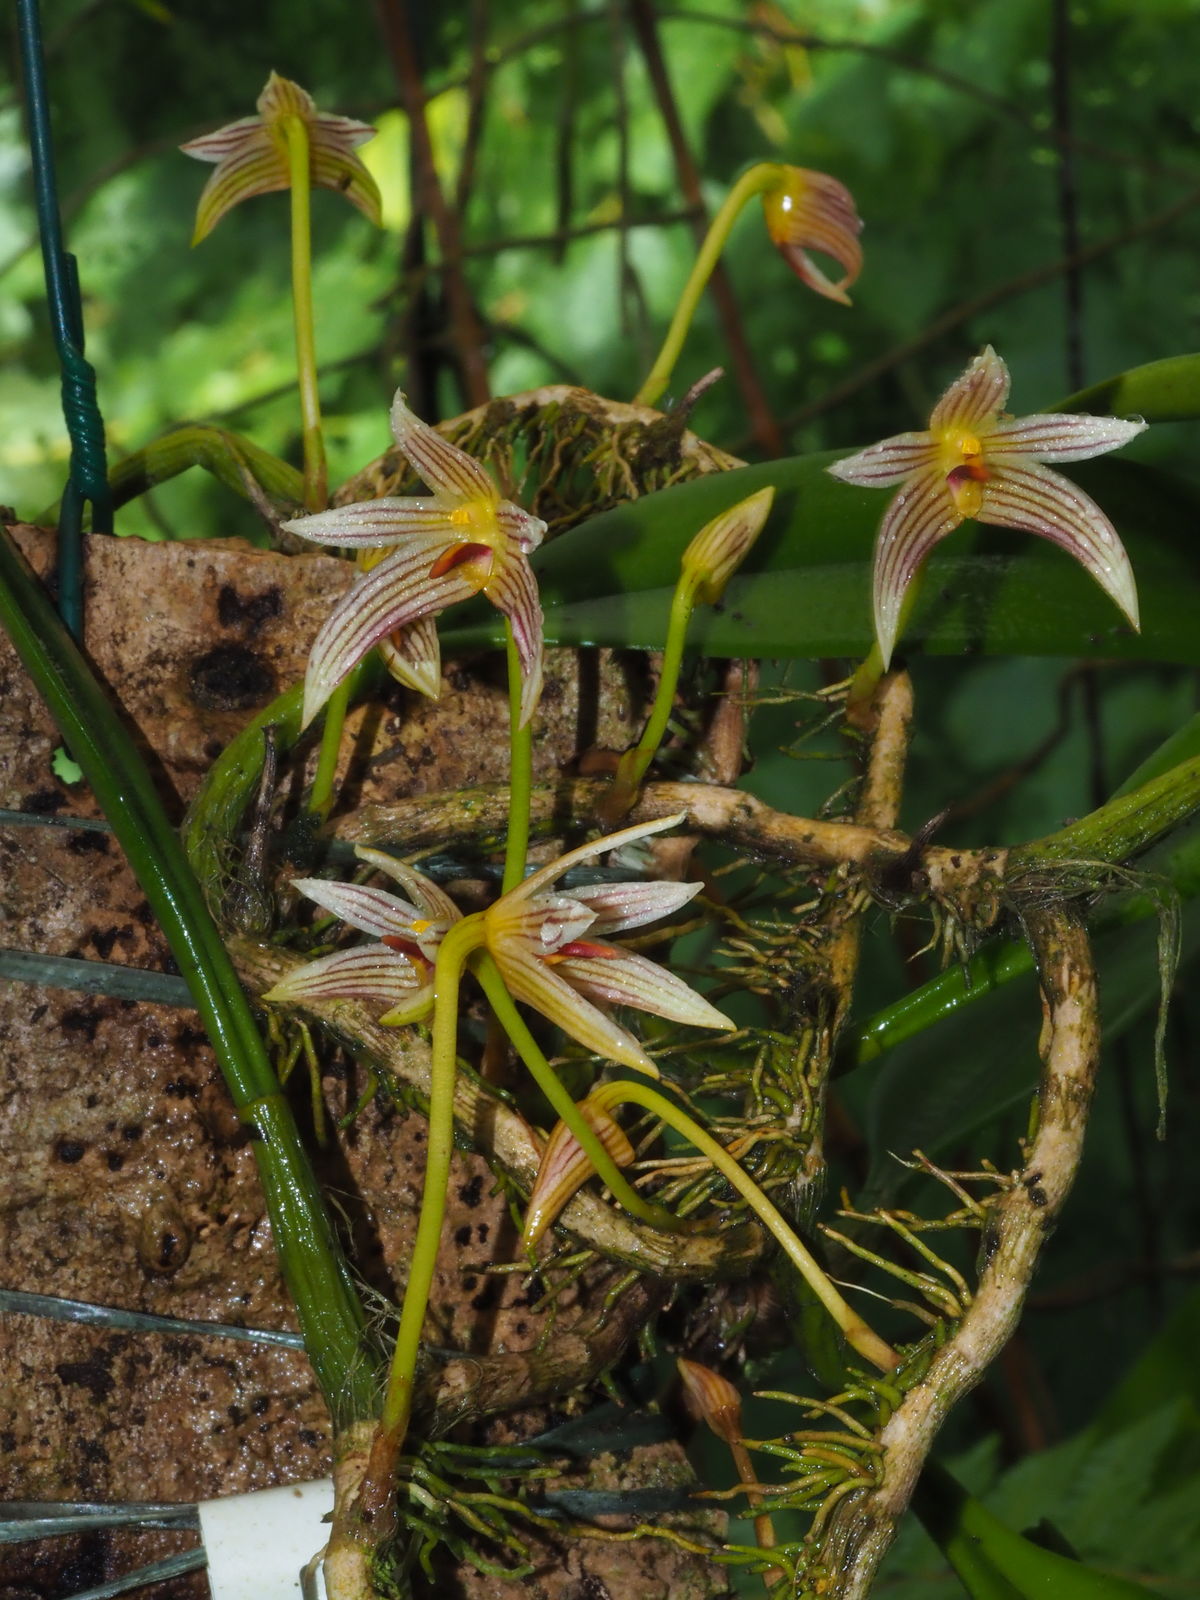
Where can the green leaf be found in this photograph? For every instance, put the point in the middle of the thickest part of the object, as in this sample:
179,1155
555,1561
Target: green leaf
1160,391
995,1563
805,588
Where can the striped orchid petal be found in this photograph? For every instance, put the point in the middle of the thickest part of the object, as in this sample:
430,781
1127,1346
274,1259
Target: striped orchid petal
974,462
372,911
537,984
395,593
546,963
413,656
512,588
368,972
618,906
455,477
397,968
251,155
621,978
565,1167
976,398
1062,436
918,517
1037,501
368,523
889,462
806,210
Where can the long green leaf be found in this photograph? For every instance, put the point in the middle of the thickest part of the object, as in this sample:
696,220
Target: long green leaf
317,1276
1160,391
805,588
994,1562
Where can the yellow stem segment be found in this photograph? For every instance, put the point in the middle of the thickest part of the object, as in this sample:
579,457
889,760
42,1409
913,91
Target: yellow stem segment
461,940
316,492
858,1335
759,178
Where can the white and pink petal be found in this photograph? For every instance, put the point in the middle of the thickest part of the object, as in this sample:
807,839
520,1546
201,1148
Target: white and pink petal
1036,500
972,400
919,515
619,906
369,524
512,589
536,983
1060,436
625,979
372,911
453,475
888,462
390,596
368,972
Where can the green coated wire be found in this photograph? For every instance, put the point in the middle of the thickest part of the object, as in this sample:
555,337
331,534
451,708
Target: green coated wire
88,478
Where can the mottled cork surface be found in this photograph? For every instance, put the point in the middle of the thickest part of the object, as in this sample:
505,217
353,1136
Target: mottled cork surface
125,1178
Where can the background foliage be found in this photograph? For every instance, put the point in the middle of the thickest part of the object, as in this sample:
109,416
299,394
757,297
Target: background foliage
986,146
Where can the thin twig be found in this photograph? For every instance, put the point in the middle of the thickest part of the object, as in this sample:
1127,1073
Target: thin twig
431,202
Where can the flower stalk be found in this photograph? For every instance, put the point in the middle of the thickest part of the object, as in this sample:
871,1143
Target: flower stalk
802,208
861,1338
707,565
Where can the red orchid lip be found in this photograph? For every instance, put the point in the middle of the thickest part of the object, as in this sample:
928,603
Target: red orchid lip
584,950
457,556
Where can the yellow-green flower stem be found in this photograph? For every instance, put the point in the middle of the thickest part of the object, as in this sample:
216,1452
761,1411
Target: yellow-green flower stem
633,764
866,678
461,940
543,1074
320,800
520,781
756,181
316,483
858,1335
295,136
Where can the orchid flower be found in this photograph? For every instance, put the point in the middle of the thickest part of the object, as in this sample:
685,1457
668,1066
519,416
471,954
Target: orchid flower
251,155
975,461
806,210
565,1166
535,937
462,541
548,952
398,966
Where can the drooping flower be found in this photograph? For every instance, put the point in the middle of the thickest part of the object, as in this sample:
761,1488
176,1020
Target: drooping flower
975,461
564,1166
550,953
462,541
805,211
398,966
251,155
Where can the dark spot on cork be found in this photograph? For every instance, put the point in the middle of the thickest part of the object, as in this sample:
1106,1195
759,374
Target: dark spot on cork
310,1437
87,843
182,1089
69,1151
471,1193
103,941
81,1019
487,1296
115,1160
92,1374
44,802
164,1242
230,678
462,1236
236,610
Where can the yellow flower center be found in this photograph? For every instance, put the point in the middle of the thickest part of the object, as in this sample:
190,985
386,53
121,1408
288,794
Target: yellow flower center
966,474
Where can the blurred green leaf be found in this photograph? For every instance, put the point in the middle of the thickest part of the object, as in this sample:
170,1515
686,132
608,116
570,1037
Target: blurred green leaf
1160,391
805,588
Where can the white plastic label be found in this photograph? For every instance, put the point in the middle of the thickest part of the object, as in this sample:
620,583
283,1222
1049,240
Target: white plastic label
257,1544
